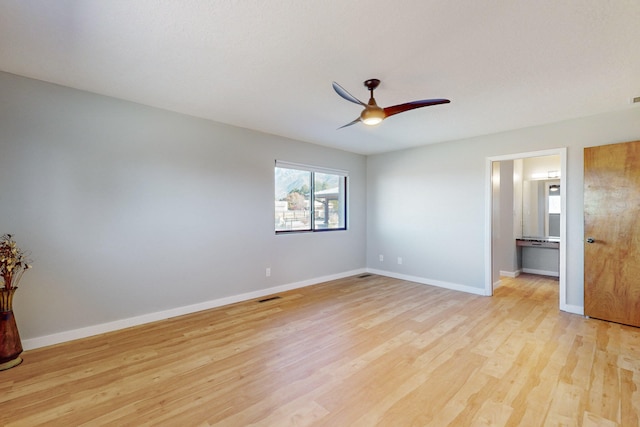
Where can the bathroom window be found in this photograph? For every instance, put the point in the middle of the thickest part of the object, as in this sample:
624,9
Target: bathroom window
554,199
552,224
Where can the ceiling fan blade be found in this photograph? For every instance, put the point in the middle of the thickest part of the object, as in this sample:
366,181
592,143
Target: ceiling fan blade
346,95
350,123
401,108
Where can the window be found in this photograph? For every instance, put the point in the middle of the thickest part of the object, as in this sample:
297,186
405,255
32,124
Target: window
554,199
309,198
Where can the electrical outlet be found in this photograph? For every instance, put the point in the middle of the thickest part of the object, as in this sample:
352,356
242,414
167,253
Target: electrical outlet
268,272
399,260
381,258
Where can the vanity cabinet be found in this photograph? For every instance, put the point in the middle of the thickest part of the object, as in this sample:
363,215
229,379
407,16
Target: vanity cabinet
539,255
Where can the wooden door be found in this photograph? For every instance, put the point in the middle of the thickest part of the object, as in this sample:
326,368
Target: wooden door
612,232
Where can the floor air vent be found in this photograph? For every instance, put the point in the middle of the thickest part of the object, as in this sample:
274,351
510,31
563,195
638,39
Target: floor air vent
269,299
362,276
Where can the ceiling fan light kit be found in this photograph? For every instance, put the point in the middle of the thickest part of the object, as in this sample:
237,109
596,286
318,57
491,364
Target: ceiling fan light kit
372,116
372,113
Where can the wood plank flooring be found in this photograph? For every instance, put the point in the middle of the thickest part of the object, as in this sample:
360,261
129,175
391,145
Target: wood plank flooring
370,351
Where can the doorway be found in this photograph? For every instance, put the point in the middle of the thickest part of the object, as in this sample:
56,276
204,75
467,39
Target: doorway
492,186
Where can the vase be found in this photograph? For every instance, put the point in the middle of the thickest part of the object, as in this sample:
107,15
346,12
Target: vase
10,344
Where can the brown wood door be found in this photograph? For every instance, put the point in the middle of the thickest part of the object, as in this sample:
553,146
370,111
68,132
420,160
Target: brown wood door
612,232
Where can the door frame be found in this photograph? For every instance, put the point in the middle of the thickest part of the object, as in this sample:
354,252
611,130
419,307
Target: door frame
488,239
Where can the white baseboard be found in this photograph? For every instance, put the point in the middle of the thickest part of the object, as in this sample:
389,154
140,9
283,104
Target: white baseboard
60,337
542,272
432,282
510,273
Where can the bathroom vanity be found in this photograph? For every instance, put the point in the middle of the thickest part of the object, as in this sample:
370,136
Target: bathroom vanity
539,255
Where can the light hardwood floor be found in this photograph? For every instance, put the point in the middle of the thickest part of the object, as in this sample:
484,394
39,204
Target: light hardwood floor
361,351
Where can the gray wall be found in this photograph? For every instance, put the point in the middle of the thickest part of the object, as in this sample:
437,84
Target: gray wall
129,210
428,204
504,244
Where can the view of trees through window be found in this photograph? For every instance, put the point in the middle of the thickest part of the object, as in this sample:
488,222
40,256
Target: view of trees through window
309,201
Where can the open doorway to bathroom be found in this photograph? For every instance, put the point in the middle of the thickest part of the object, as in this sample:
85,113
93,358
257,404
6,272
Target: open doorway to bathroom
526,211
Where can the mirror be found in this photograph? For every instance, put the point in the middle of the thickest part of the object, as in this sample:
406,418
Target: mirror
540,196
541,208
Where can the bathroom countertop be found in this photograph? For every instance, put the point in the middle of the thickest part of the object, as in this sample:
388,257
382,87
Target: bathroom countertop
547,239
540,242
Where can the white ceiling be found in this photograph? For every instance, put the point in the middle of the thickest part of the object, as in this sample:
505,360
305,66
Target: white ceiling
268,65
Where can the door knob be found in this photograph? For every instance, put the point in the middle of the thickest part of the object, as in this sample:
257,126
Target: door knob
590,240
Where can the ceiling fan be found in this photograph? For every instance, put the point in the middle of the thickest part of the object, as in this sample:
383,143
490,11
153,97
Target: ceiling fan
372,114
